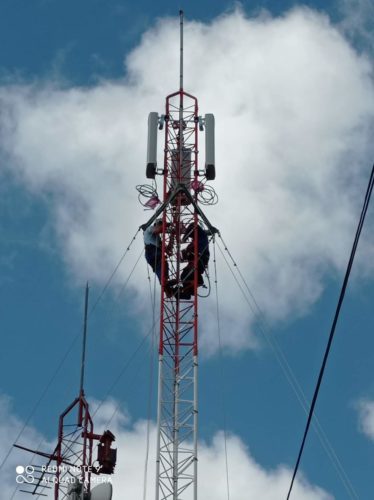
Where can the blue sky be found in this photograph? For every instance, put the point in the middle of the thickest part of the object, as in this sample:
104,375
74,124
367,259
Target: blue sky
79,48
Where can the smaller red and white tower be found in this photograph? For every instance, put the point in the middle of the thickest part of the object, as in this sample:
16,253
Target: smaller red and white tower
80,454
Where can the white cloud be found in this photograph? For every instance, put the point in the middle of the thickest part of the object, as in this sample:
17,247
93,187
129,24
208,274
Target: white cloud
248,479
10,426
366,417
294,105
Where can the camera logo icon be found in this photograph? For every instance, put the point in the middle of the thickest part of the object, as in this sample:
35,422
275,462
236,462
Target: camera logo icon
25,474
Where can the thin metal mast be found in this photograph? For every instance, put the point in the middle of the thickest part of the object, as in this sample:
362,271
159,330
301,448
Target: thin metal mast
181,51
83,362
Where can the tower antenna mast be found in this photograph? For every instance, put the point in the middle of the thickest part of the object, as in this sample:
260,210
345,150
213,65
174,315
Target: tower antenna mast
181,51
180,264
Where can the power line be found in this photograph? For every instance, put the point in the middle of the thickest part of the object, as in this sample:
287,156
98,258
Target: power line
334,323
67,353
222,385
120,375
287,370
132,357
134,354
151,370
113,273
124,286
31,414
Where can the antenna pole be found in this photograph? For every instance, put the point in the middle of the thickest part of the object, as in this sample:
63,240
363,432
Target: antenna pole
84,339
181,50
176,462
81,390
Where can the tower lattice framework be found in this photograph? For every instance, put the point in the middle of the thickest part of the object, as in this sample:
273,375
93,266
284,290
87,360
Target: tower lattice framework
178,347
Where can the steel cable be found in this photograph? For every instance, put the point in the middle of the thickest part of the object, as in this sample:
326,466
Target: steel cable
289,373
222,385
67,353
151,370
333,326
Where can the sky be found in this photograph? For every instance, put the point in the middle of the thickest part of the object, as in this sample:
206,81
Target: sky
291,87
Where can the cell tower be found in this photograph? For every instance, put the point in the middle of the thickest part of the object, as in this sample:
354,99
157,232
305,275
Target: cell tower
71,466
182,266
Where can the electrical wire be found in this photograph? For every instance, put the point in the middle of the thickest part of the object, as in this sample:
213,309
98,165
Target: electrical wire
67,353
333,326
128,363
207,195
130,360
288,372
31,414
124,286
149,193
126,366
151,370
119,376
107,284
142,343
223,378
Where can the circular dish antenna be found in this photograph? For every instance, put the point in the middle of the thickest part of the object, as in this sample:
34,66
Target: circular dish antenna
102,492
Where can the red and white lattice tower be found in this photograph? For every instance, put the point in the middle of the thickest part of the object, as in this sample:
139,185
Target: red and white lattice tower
81,458
177,419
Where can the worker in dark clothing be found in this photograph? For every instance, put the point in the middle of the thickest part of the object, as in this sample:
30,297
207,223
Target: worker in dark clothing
153,249
188,254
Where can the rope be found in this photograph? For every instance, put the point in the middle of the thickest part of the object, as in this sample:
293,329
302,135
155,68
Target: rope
222,385
334,323
118,378
128,363
151,369
106,286
289,374
66,355
120,375
124,286
39,401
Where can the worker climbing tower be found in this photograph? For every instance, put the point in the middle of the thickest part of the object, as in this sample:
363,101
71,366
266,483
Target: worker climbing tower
182,265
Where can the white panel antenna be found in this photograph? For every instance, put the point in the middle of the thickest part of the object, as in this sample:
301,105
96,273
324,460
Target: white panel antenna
210,166
152,145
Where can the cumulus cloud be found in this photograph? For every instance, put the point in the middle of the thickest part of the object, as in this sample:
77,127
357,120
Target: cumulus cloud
366,417
248,479
294,106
